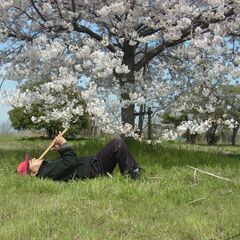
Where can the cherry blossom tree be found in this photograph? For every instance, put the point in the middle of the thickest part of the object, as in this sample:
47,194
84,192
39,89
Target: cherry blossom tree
210,107
104,46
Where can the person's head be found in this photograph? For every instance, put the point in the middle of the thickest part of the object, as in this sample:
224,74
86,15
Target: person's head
22,168
29,166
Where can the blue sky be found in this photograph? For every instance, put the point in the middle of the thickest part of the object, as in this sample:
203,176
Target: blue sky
4,109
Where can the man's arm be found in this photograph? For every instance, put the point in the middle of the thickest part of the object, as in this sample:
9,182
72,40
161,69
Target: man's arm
60,168
68,155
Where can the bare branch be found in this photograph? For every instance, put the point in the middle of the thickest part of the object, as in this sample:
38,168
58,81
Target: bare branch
196,200
210,174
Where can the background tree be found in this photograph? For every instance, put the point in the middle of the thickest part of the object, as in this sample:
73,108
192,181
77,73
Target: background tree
32,117
21,120
176,121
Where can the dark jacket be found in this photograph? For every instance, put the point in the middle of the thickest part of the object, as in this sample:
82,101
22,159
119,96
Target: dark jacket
68,166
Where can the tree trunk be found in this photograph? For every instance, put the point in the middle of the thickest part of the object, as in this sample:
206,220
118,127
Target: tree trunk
223,136
190,138
234,135
127,83
211,136
149,113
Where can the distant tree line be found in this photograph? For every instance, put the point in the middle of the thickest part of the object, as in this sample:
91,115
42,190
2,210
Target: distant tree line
216,133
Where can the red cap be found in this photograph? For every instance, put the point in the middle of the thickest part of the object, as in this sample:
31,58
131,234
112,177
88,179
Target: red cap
22,168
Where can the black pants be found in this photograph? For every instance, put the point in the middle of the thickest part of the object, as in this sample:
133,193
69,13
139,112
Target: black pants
115,152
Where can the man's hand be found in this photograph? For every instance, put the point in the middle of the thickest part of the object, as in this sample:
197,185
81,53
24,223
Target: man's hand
34,165
58,142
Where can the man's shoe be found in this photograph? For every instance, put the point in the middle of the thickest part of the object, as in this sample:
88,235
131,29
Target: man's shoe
135,174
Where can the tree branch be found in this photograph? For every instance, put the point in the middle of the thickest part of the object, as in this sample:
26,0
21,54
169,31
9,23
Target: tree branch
58,8
154,52
38,12
20,36
94,35
185,33
1,83
148,31
30,17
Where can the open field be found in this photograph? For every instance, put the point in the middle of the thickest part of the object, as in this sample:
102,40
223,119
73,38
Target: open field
170,202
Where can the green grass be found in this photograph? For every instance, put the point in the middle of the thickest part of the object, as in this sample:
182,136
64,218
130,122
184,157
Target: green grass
168,203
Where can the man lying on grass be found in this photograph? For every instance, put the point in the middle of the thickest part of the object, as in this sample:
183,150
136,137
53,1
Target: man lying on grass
70,166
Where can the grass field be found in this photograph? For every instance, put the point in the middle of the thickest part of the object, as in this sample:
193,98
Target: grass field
170,202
